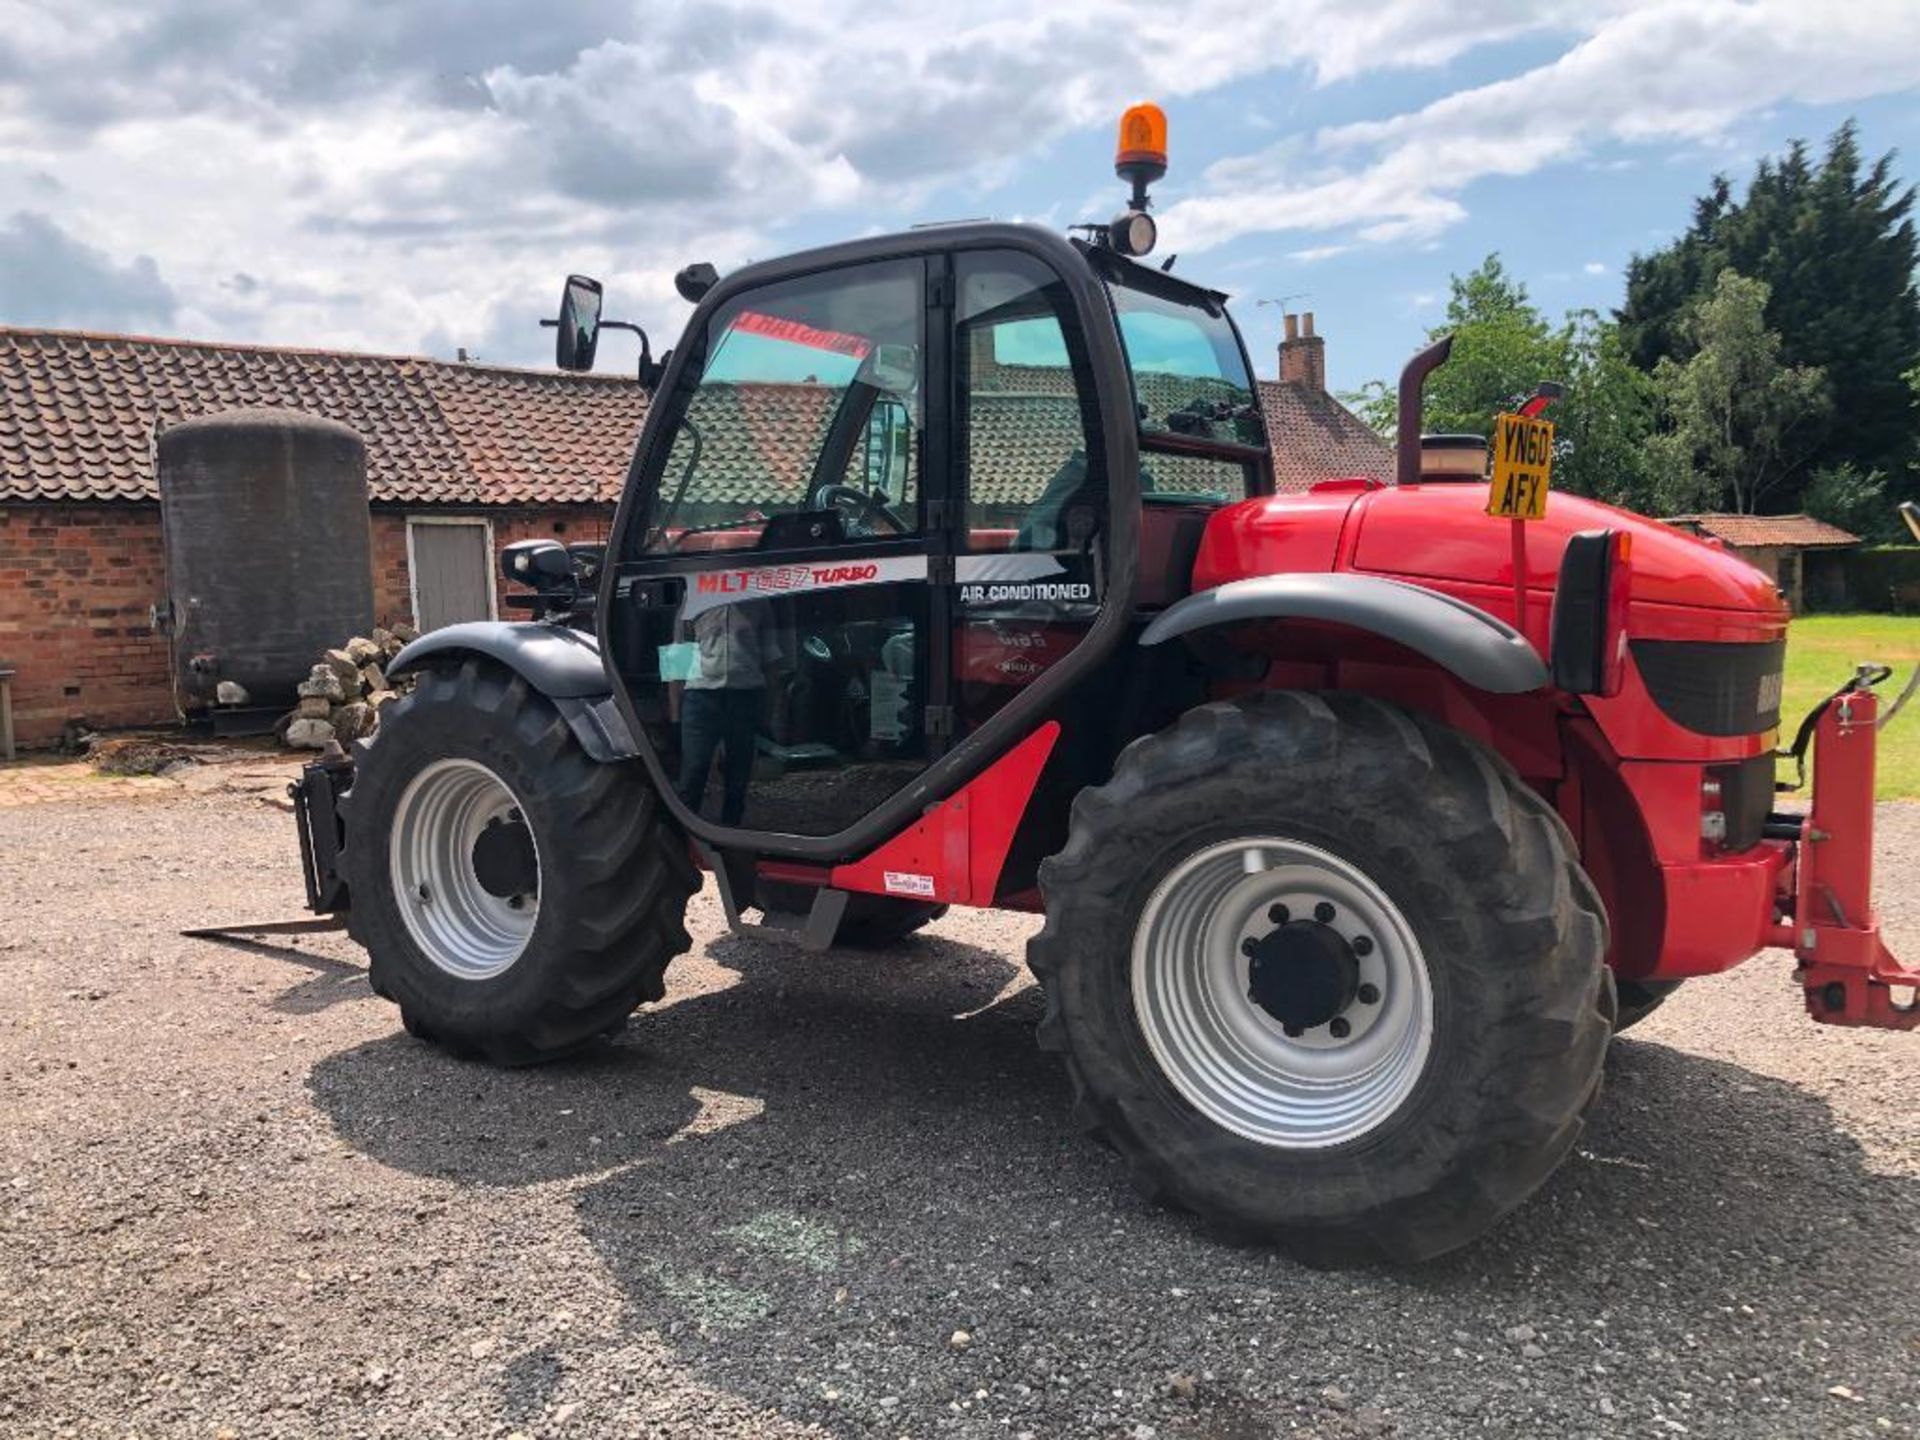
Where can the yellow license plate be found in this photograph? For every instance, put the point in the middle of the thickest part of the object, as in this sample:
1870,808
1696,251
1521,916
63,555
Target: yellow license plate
1522,467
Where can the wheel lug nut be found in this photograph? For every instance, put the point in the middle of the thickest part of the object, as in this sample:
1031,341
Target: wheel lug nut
1368,994
1323,912
1339,1028
1293,1032
1279,914
1248,946
1362,945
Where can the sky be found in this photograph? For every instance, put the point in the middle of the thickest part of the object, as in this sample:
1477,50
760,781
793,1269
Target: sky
419,177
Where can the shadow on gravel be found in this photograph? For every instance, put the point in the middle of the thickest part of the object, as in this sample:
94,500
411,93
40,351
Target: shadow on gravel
813,1178
332,981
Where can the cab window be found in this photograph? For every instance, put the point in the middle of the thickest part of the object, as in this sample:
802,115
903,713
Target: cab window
1029,427
804,426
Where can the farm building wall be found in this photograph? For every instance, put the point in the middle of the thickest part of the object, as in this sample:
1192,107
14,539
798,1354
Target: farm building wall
77,587
392,581
78,583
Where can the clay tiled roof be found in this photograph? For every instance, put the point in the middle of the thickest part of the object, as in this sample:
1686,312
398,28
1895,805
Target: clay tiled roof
1314,436
757,442
1752,531
1317,438
78,414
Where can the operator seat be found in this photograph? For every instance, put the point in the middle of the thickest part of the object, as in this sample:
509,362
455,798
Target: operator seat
1068,511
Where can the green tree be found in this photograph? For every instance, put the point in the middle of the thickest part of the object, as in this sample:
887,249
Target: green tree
1742,422
1835,243
1604,421
1503,347
1841,495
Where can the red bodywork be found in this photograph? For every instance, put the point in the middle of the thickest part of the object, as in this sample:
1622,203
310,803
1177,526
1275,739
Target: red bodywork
1633,785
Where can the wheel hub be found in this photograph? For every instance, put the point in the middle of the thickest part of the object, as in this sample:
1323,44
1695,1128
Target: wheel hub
1282,991
503,858
465,869
1303,974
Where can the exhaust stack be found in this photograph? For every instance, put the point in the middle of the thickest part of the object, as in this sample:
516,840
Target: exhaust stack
1413,382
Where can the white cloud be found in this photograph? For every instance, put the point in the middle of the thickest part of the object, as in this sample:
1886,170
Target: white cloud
1594,267
1665,70
391,175
49,278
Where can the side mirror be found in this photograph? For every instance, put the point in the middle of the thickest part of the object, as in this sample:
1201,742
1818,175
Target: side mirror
579,323
536,563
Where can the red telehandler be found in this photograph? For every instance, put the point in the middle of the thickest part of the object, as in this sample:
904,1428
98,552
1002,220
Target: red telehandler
950,571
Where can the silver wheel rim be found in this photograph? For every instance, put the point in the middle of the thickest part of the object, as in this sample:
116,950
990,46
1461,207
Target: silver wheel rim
1226,1055
461,927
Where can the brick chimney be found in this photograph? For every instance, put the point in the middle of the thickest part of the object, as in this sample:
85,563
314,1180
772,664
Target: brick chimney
1303,354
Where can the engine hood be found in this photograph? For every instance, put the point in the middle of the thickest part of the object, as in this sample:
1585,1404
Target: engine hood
1440,532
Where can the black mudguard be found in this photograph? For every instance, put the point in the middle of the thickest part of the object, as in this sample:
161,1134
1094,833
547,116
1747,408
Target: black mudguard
561,663
1484,652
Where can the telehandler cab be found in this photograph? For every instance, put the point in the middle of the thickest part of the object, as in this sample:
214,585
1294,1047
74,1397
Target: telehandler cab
950,571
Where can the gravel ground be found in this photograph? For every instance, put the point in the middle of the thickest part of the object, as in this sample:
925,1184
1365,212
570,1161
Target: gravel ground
840,1196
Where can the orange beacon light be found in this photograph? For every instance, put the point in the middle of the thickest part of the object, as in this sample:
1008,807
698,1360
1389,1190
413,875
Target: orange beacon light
1140,156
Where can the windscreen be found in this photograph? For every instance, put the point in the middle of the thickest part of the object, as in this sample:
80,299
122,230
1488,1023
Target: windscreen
1189,375
799,378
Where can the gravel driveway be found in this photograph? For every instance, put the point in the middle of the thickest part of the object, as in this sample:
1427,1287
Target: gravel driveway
842,1196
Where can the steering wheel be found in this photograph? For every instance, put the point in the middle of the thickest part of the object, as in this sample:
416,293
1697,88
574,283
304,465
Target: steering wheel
862,507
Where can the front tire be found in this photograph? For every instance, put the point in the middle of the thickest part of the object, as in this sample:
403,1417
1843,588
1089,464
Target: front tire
1326,973
516,898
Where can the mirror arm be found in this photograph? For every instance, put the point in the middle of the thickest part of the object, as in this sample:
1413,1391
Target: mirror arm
650,370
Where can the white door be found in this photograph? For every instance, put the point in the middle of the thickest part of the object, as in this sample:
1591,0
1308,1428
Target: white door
451,562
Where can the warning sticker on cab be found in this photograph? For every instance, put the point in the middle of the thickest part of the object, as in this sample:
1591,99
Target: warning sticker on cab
905,882
1522,467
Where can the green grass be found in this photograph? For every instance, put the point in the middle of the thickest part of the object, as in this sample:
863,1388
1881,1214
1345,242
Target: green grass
1821,653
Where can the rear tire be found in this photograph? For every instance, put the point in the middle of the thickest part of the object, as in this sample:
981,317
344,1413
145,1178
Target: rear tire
1453,1091
587,932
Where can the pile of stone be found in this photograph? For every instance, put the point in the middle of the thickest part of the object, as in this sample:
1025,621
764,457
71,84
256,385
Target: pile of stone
341,698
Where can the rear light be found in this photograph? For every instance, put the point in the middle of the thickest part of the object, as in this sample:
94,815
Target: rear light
1713,815
1589,628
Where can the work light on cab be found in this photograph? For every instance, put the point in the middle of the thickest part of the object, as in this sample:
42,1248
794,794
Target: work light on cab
1139,158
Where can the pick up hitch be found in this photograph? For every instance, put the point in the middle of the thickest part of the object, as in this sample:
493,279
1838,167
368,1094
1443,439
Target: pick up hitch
1848,974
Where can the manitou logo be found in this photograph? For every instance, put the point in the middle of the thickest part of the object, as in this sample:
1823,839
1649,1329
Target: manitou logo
783,577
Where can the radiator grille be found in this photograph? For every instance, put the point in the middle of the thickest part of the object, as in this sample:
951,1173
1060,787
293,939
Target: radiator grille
1714,688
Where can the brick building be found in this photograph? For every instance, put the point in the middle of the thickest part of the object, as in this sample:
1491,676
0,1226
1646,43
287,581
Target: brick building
462,459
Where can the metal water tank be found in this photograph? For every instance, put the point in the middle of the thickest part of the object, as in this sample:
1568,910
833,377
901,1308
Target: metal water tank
269,554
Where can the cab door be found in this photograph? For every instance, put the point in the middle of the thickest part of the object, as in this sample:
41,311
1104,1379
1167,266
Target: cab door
797,554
